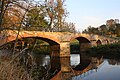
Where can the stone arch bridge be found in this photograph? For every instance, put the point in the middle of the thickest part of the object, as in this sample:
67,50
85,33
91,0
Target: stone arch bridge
59,42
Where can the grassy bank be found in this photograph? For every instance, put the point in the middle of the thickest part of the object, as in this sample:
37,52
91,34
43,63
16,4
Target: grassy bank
23,66
109,51
43,49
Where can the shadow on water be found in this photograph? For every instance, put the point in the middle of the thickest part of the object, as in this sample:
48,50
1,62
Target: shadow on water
53,66
102,69
46,67
50,68
86,64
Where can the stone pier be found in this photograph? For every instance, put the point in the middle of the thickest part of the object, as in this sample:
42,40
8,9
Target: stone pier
65,49
62,53
65,56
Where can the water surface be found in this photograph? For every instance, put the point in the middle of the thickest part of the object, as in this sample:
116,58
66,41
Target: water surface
108,70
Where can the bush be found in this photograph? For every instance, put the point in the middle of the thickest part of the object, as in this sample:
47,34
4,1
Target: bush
110,50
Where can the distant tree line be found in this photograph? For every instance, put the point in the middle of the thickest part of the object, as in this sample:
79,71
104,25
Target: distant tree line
111,28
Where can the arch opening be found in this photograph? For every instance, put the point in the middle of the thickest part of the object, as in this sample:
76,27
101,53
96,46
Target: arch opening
27,41
79,59
98,43
107,42
43,59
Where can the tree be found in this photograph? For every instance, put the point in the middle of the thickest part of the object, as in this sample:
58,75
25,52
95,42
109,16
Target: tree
111,26
12,13
52,13
103,29
35,19
68,27
12,18
60,11
92,30
56,13
117,30
85,31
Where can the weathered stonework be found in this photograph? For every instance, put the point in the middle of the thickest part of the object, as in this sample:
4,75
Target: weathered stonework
59,42
65,49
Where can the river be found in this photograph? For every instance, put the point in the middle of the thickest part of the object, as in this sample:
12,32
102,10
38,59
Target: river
108,69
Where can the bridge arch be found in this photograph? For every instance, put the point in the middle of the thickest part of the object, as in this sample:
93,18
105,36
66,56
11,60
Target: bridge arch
84,42
53,44
83,39
107,41
98,42
26,34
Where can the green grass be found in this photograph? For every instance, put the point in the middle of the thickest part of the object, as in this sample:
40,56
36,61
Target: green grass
110,51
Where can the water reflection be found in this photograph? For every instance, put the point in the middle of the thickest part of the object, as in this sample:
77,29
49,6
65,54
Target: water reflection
113,62
107,70
42,59
47,64
75,59
90,68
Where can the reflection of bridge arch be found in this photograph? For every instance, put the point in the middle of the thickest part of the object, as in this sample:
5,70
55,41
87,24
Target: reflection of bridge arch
82,66
88,64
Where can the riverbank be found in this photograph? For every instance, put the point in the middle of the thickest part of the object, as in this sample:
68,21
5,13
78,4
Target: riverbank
107,51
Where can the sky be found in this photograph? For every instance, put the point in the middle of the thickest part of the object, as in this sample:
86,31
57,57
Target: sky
85,13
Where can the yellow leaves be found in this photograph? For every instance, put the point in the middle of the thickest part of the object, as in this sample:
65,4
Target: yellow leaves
12,17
